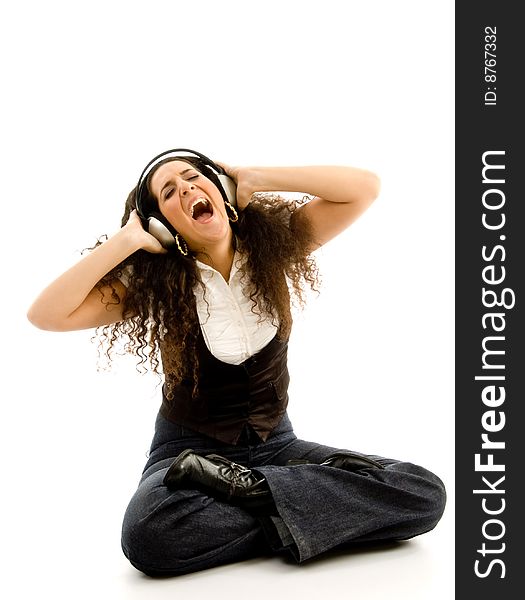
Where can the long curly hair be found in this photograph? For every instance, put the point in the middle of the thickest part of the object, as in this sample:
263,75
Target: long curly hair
161,324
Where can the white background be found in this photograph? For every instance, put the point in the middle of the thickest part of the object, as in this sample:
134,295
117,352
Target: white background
91,91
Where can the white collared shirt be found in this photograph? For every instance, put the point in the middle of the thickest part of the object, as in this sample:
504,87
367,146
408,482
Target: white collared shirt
231,330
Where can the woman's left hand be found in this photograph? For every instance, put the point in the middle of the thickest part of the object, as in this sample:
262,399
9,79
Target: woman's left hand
244,178
340,194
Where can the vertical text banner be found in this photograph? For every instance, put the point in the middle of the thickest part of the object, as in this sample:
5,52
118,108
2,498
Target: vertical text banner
490,268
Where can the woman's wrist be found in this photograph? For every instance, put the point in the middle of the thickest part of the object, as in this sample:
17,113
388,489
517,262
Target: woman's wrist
128,238
278,179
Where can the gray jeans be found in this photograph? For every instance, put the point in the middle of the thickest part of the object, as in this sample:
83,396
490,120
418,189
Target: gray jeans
169,532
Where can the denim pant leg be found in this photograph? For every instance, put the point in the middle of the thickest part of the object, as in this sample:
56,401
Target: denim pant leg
171,532
168,532
323,507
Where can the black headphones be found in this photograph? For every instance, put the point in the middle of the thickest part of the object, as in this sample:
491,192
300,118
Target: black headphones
152,220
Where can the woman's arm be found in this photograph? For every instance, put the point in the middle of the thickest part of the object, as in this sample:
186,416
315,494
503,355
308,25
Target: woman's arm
73,302
342,194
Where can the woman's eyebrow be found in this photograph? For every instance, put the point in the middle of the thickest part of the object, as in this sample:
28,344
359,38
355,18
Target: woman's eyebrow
168,181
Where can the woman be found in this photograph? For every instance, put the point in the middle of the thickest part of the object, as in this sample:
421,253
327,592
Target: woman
204,288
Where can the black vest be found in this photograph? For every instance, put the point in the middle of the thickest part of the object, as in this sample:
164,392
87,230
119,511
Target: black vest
229,397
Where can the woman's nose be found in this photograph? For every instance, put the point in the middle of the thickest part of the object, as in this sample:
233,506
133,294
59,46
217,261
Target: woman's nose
185,187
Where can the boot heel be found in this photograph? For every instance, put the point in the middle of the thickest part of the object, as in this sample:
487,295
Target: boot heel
176,473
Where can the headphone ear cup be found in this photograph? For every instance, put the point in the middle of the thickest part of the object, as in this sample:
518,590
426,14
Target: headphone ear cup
228,185
159,228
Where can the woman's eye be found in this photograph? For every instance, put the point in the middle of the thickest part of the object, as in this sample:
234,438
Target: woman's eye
192,177
168,193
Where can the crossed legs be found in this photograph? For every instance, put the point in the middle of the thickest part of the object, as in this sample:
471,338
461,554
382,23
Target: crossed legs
170,532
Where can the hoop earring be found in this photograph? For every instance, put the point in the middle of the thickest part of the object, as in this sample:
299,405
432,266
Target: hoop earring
232,208
184,251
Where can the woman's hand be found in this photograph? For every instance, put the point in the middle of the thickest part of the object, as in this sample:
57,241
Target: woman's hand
245,180
142,238
339,194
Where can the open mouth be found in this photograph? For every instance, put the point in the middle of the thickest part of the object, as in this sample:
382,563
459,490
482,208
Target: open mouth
201,210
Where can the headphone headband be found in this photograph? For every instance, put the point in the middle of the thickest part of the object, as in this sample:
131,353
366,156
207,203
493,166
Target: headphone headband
175,151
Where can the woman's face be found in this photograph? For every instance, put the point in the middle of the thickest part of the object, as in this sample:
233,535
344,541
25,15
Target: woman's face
191,203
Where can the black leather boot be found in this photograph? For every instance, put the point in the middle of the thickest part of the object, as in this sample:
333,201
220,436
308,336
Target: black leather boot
220,478
350,461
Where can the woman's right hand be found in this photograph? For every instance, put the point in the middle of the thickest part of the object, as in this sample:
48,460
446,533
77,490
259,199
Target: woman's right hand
141,237
75,300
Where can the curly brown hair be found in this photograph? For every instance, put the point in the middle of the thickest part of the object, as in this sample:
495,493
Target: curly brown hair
161,324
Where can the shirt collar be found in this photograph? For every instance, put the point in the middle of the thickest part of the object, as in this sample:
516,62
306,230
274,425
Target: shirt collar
238,260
